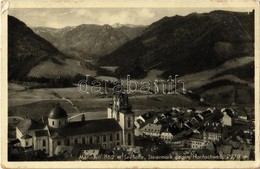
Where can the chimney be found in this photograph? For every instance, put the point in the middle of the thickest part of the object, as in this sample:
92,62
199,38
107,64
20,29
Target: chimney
83,117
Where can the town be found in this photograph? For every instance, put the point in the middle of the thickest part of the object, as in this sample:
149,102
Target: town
176,133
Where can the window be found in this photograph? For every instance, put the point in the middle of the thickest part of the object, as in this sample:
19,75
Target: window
97,139
59,123
104,138
53,123
26,143
76,141
90,140
129,139
43,143
83,140
111,137
129,122
59,143
67,142
117,136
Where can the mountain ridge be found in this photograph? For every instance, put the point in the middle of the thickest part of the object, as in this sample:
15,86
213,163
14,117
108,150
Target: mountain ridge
32,55
185,44
89,41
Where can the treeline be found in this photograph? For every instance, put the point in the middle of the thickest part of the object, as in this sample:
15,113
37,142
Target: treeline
245,72
65,81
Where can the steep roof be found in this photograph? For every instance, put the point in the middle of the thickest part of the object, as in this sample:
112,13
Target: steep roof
41,133
28,124
26,136
206,113
86,127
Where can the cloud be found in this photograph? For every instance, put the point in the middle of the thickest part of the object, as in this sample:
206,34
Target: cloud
61,17
112,18
146,14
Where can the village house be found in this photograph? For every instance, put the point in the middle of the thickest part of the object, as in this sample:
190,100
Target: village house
192,143
226,120
152,130
143,119
213,132
196,143
167,137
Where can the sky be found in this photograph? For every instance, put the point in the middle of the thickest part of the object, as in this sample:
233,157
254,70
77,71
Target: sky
62,17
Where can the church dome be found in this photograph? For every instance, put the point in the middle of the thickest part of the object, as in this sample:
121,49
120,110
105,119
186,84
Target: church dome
57,113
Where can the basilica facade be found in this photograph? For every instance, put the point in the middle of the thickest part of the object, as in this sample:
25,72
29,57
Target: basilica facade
116,130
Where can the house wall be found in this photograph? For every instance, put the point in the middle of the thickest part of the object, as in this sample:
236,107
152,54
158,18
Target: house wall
167,137
196,144
211,136
18,133
128,130
106,140
41,143
109,113
226,120
51,148
152,130
26,142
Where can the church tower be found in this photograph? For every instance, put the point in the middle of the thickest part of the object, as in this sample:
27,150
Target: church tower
121,111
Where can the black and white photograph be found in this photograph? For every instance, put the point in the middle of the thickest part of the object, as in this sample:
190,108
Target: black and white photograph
131,84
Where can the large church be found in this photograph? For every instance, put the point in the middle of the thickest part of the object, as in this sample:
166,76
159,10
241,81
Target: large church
116,130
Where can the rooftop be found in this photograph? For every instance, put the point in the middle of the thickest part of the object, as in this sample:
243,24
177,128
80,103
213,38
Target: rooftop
26,136
86,127
29,124
58,112
147,115
41,133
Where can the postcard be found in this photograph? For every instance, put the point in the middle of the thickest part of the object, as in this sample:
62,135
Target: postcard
130,84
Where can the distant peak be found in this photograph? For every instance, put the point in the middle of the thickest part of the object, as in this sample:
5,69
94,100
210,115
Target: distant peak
118,25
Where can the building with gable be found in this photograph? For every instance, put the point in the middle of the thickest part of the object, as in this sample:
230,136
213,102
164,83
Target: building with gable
46,135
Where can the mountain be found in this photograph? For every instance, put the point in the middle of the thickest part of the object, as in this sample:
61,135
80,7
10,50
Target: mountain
89,41
31,55
53,35
185,44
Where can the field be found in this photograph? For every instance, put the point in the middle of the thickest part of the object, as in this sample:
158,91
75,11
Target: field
39,102
35,103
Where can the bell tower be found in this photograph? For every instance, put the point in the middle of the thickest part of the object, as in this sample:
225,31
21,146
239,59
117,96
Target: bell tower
115,106
121,110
